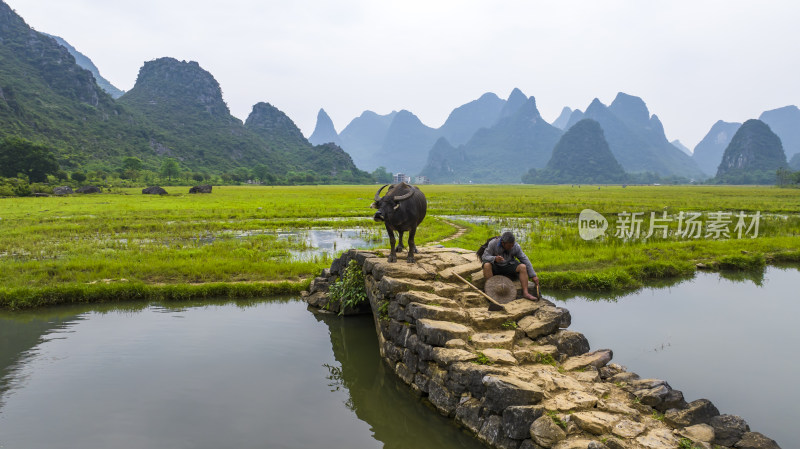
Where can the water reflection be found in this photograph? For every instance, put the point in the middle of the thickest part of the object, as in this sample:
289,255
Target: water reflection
203,375
380,398
321,242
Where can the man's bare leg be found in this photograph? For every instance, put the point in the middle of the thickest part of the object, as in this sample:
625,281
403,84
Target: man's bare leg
487,271
523,279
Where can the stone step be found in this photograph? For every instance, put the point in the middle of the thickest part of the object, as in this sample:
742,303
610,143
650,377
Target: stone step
437,333
500,356
445,260
380,268
463,270
535,353
545,321
597,359
471,299
483,319
391,286
419,311
499,340
422,297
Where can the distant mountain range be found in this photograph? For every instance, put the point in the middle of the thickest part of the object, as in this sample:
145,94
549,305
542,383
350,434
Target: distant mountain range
581,156
83,61
637,139
784,122
480,139
174,110
753,156
52,94
502,153
400,142
708,153
679,145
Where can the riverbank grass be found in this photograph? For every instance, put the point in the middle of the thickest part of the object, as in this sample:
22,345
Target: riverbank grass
249,241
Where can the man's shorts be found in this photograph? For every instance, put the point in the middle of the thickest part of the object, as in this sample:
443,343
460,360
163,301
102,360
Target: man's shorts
508,270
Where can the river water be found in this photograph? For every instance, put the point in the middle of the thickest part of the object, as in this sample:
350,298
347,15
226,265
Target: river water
271,374
265,374
730,338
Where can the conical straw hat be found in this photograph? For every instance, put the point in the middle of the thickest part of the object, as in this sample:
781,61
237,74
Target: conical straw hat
501,289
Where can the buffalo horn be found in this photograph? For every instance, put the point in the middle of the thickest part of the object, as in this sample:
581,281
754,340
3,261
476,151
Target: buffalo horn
378,193
404,197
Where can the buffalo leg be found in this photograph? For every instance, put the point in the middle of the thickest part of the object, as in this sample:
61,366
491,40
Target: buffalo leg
412,247
400,246
392,254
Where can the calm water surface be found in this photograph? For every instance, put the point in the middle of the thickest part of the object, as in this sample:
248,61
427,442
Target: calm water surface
270,374
256,375
731,340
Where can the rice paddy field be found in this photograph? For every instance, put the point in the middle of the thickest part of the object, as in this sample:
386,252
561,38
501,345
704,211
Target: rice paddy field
256,240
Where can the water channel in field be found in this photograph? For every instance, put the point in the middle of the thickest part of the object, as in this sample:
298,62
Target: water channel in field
272,374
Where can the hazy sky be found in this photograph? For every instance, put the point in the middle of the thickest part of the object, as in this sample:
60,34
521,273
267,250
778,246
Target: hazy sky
693,62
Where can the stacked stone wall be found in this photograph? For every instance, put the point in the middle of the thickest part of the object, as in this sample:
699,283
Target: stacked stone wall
518,378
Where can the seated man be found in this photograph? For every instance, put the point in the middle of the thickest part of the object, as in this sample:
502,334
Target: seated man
500,258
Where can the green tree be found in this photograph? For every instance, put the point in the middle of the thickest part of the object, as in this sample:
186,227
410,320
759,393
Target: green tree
23,156
78,176
381,176
261,171
241,174
132,163
170,168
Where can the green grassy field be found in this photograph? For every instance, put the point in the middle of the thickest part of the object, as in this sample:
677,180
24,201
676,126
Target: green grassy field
125,245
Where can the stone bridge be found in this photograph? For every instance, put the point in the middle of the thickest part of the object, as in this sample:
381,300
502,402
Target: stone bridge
517,378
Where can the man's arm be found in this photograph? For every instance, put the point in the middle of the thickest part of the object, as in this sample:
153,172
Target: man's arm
524,259
489,254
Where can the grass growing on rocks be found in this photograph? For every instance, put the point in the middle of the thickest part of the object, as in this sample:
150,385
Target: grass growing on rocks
124,245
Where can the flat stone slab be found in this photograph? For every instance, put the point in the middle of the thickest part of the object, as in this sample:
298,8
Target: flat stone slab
500,356
612,406
597,359
546,433
446,260
579,443
423,297
545,321
573,400
484,319
534,353
658,439
553,380
597,423
402,269
520,308
628,429
501,340
506,391
448,356
437,333
698,433
419,311
462,270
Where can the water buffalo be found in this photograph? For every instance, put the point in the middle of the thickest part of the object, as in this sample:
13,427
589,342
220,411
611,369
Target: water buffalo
401,209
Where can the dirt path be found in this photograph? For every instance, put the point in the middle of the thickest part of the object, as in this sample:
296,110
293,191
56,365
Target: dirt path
460,230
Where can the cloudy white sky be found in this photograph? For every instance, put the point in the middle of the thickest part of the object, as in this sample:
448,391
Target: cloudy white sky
692,61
